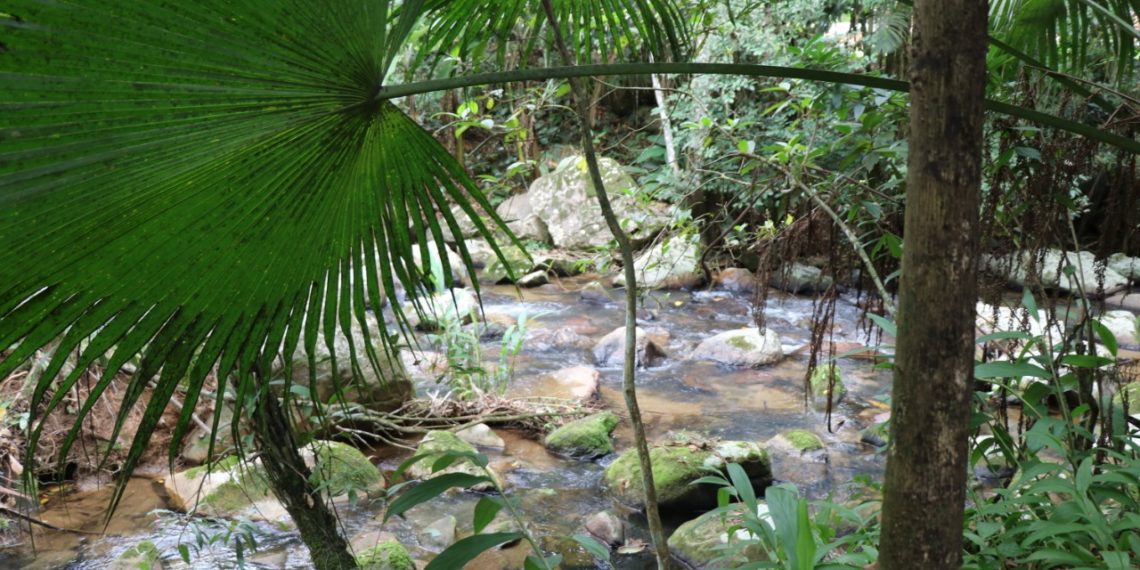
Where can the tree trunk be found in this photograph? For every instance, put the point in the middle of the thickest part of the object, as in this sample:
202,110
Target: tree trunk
924,492
289,478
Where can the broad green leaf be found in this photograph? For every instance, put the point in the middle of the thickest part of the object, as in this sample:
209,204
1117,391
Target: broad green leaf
1106,337
1004,335
1087,361
593,546
430,489
465,550
743,486
1004,369
887,326
485,511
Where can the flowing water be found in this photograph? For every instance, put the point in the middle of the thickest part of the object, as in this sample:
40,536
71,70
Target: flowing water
555,494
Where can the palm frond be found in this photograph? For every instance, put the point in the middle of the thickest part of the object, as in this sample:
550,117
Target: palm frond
206,184
1061,33
593,29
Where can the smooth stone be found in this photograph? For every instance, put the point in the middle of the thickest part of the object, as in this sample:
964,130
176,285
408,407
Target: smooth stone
672,263
481,435
651,342
748,347
439,534
581,381
800,278
534,279
1014,268
595,292
1122,325
606,527
435,443
736,279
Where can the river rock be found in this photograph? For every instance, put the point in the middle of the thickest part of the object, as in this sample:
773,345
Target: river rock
438,442
480,435
454,262
390,555
441,308
384,387
580,381
520,217
534,279
822,387
595,292
542,340
566,202
736,279
800,278
703,540
743,347
1015,268
651,342
230,489
196,444
518,262
672,263
606,527
677,465
588,437
1122,324
1130,394
439,534
1125,265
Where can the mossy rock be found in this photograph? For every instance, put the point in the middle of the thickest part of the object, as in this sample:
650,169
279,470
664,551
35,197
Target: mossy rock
704,542
142,556
821,387
588,437
230,488
800,440
675,467
518,262
389,555
436,443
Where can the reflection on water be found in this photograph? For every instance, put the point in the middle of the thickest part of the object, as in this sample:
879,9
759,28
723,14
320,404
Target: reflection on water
556,494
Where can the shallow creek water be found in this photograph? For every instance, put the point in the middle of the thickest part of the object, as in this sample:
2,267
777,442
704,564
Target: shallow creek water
557,494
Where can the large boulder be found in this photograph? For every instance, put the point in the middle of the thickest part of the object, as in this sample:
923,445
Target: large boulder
800,278
672,263
433,445
1122,324
705,541
677,465
651,342
743,347
518,263
1125,265
566,202
520,217
588,437
736,279
384,386
232,489
437,310
1070,272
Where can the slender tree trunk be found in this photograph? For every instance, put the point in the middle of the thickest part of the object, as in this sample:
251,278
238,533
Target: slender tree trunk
289,478
924,492
629,384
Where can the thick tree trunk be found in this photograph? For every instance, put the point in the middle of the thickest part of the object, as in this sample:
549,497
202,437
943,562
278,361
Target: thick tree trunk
289,478
924,492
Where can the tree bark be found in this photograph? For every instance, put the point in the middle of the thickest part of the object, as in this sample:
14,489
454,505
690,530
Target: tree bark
924,491
290,480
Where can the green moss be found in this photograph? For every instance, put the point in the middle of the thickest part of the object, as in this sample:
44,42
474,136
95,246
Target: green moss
343,468
803,439
741,342
389,555
702,541
820,380
586,437
673,469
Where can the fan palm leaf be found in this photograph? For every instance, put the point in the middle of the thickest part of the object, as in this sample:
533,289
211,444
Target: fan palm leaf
207,185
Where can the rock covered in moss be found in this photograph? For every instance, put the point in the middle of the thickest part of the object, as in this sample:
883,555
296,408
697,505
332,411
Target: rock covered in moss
587,437
437,443
518,263
390,555
705,542
749,347
481,435
677,464
800,440
230,488
800,278
822,386
142,556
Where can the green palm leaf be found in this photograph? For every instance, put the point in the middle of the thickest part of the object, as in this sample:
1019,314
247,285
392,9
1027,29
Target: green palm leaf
592,28
206,184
